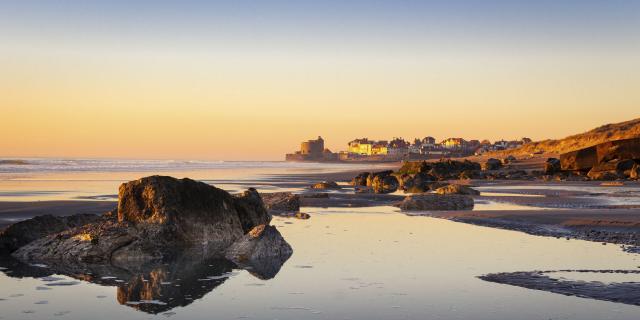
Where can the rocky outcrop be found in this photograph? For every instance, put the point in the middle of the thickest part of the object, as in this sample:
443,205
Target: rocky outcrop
634,173
435,202
384,183
157,217
325,185
404,180
360,180
552,166
263,249
372,176
457,189
601,154
451,169
492,164
24,232
425,186
281,202
508,159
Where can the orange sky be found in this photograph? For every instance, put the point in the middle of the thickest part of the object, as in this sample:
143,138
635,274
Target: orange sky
115,91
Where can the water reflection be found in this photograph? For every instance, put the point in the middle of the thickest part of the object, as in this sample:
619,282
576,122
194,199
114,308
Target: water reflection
153,287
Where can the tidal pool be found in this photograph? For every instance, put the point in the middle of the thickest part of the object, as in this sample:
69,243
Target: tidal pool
364,263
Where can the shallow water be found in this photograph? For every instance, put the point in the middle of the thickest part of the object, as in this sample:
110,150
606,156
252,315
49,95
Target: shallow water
64,179
364,263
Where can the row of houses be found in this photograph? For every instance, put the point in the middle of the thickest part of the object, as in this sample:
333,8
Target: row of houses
399,149
429,146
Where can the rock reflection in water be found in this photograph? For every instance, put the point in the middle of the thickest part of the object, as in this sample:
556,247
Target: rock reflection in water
154,287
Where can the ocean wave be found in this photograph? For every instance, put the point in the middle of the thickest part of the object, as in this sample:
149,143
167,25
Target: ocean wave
15,162
113,165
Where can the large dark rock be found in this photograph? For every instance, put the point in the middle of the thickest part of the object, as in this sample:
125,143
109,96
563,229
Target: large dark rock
451,169
200,211
552,166
381,174
281,202
22,233
157,217
492,164
360,180
435,202
421,182
384,184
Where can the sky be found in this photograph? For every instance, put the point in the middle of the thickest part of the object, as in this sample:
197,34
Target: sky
249,80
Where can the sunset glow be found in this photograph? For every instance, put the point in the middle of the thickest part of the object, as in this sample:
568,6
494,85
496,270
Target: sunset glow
211,81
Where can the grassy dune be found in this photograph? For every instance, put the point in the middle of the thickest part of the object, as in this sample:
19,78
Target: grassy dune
608,132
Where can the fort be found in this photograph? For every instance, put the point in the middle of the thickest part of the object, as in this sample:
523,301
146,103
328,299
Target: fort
312,150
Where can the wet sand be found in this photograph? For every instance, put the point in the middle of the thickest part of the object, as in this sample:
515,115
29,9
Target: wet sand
11,212
582,210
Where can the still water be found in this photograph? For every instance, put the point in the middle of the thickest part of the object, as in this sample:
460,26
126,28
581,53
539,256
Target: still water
364,263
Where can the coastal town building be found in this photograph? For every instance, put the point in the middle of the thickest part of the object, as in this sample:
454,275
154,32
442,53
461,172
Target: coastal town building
454,143
368,147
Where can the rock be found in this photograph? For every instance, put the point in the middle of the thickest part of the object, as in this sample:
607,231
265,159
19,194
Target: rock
404,180
157,217
251,209
509,159
302,215
635,172
423,180
469,174
426,186
363,190
384,184
433,202
624,165
492,164
260,248
281,202
451,169
372,176
325,185
457,189
22,233
417,183
516,175
196,208
552,166
602,175
414,167
360,180
587,158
